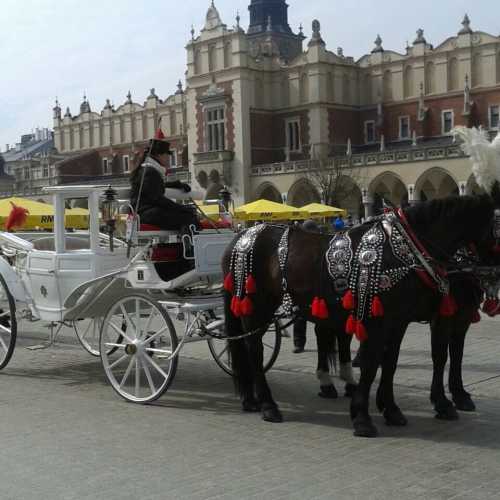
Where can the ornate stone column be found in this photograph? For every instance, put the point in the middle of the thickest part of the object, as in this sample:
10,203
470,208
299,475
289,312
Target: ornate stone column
367,202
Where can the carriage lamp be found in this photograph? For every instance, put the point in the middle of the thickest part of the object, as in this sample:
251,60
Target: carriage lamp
225,197
110,210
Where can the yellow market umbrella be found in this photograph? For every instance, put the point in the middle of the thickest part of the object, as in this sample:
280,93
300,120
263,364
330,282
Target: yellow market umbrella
318,210
269,210
211,211
41,215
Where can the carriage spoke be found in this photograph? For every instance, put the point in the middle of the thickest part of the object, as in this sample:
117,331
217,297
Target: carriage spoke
150,379
137,375
127,373
4,329
269,346
128,318
121,332
148,322
156,335
138,331
118,361
4,313
3,344
112,344
158,351
155,366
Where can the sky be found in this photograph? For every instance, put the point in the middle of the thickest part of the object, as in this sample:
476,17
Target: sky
105,48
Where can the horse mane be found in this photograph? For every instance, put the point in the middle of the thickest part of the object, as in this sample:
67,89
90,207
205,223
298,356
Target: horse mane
472,212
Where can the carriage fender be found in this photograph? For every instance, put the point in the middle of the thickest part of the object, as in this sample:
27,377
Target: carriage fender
12,280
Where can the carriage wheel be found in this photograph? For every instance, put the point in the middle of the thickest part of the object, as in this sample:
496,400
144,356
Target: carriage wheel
271,342
8,324
88,335
142,367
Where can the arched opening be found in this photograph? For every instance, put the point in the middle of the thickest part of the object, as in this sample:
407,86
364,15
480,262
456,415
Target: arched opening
389,187
269,192
430,73
304,88
453,83
349,197
408,82
302,193
388,85
472,187
435,183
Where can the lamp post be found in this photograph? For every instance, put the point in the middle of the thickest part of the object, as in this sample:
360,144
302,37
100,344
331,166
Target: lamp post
110,213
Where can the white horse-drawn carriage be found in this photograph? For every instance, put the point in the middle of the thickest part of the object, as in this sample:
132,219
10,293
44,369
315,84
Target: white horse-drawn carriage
115,294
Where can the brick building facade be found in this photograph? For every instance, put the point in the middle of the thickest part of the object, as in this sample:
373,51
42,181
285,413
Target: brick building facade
261,111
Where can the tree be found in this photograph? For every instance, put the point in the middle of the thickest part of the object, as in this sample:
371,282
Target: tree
337,182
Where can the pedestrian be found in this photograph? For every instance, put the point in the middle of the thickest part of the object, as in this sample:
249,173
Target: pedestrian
300,325
339,223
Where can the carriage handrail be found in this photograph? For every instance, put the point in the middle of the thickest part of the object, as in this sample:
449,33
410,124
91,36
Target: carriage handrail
15,242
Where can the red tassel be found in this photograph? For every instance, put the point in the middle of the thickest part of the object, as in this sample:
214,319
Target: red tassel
348,301
250,285
322,309
315,307
361,334
476,317
246,307
236,306
229,283
350,326
16,218
491,307
448,306
377,307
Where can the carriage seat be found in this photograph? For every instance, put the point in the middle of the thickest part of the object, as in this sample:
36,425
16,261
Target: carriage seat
47,244
148,231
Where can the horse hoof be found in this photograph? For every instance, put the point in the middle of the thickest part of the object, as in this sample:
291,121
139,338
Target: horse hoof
350,389
449,413
328,392
250,406
272,415
363,427
395,418
463,402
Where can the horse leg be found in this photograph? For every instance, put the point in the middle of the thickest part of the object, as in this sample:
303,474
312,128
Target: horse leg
346,372
370,354
269,408
460,396
243,374
440,336
326,353
385,393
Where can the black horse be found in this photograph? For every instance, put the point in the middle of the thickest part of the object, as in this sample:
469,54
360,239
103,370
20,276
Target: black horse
262,271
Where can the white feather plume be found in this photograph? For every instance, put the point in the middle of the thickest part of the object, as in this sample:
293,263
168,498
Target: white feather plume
484,155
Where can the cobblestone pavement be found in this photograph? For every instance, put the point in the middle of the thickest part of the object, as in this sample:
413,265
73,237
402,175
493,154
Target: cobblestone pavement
66,435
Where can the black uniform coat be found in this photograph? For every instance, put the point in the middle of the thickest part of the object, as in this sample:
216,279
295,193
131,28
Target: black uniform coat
153,207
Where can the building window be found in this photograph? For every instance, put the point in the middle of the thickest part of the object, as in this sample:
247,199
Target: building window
293,135
447,121
126,164
494,116
45,170
26,173
105,166
404,127
216,129
369,131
